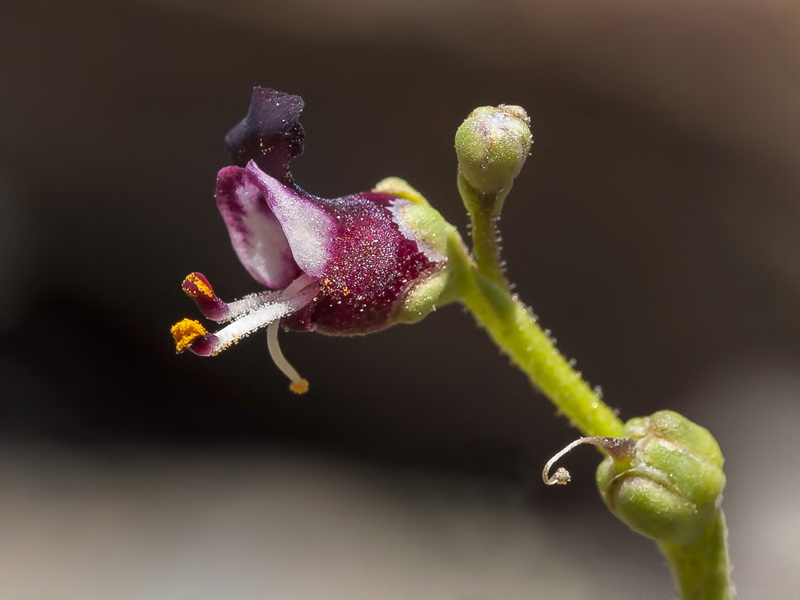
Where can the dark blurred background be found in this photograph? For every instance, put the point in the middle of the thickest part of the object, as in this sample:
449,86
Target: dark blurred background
654,229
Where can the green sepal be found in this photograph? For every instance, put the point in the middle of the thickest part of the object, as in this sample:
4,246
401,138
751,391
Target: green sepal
670,484
400,187
441,242
444,285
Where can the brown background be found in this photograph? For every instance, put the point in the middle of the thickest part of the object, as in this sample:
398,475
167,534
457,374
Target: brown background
654,230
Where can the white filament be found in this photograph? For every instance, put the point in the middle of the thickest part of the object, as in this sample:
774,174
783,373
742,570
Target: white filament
259,310
248,304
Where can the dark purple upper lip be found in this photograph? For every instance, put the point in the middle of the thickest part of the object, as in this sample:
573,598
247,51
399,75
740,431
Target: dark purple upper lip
270,135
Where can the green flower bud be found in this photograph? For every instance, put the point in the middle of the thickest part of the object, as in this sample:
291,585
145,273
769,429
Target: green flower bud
492,144
668,482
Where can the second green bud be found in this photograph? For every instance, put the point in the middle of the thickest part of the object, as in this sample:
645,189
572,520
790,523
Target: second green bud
669,484
492,144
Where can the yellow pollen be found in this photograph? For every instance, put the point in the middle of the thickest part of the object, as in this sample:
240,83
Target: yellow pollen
202,288
185,332
345,291
299,386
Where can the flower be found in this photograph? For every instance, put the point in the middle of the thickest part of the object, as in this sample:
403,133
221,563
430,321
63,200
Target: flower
343,266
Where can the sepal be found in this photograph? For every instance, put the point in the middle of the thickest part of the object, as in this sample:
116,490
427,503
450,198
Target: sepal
669,484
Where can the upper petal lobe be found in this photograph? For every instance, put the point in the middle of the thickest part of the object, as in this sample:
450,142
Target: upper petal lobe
256,234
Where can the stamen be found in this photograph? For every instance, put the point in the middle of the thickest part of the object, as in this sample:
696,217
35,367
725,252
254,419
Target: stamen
185,332
298,385
252,301
257,314
196,285
199,289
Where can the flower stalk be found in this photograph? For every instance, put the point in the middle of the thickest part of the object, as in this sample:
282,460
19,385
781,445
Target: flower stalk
514,329
492,145
695,542
484,212
701,568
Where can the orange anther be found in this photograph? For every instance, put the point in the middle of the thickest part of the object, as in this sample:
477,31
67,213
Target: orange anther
195,286
185,332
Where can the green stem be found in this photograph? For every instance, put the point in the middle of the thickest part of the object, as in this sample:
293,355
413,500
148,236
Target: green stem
701,569
515,331
484,210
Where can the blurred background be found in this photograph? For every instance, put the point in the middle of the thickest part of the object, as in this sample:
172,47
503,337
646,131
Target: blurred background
655,230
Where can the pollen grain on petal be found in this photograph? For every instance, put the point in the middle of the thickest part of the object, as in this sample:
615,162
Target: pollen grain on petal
185,332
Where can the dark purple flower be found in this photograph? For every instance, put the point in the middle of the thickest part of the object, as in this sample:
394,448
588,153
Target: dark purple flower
345,266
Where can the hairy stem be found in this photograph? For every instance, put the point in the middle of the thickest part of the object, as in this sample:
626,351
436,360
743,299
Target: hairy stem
701,569
515,331
484,210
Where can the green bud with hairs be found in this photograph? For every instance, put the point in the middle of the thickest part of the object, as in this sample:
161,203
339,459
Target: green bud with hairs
492,144
667,483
